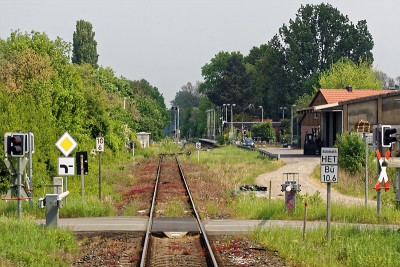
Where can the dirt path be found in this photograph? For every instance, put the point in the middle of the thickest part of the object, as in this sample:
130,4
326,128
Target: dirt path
296,162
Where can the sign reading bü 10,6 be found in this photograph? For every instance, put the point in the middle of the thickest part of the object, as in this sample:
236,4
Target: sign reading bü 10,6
329,165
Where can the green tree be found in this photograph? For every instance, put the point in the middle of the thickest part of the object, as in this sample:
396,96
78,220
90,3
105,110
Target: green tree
317,38
188,100
226,80
290,64
204,105
270,77
84,45
345,72
284,130
153,117
40,91
263,130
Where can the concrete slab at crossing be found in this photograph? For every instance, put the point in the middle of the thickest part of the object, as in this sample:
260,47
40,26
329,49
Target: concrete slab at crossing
174,224
213,227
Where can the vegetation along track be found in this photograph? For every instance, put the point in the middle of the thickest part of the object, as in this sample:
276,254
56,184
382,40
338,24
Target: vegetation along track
178,240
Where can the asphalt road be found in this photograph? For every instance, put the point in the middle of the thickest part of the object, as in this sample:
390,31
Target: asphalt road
303,165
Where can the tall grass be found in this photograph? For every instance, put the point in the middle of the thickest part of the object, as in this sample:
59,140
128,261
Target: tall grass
349,246
237,165
219,173
24,243
252,207
353,184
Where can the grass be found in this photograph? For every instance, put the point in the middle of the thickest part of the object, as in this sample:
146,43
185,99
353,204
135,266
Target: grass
236,166
220,171
24,243
252,207
174,209
217,173
354,184
349,246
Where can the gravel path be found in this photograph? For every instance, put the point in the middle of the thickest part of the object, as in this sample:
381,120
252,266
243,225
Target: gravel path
296,162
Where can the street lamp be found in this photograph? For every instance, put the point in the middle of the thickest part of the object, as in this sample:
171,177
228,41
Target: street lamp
283,111
250,106
262,113
291,121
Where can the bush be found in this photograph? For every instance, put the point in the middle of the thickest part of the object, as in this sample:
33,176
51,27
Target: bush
352,153
263,130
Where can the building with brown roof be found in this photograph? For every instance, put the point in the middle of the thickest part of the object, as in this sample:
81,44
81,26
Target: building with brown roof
333,111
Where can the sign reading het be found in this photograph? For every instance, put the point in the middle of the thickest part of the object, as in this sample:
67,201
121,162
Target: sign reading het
329,162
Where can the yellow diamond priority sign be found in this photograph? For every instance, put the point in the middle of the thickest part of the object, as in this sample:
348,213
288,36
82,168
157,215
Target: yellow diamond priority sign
66,144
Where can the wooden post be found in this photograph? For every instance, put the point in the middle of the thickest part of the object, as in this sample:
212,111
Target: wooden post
305,220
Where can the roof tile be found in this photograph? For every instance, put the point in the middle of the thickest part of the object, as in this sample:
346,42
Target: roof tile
338,95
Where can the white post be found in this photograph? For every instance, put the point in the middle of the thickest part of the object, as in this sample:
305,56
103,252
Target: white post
226,112
283,111
226,115
233,105
214,124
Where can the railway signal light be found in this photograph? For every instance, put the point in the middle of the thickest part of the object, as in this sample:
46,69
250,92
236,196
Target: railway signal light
17,145
387,138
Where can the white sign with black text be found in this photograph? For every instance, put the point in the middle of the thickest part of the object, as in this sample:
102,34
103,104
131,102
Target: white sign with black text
99,144
329,165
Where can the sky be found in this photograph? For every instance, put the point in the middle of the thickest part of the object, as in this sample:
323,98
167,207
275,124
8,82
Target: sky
166,42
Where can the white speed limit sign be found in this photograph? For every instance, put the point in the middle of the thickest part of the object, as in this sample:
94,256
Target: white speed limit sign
100,144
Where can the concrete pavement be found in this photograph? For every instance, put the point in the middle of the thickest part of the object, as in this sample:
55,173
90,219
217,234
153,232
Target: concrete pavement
213,227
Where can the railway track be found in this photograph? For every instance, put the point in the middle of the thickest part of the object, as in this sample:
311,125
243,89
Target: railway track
179,239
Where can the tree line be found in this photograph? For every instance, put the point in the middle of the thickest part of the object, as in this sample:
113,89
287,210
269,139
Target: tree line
42,91
319,48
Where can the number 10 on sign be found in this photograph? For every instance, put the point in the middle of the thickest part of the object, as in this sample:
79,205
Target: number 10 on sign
100,144
329,173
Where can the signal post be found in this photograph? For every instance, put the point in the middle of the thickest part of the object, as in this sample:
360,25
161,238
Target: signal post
384,136
18,145
329,174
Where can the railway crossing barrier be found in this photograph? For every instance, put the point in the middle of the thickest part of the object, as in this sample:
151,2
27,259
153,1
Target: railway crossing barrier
52,202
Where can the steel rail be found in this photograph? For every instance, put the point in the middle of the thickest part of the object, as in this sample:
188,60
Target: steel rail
202,228
150,222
